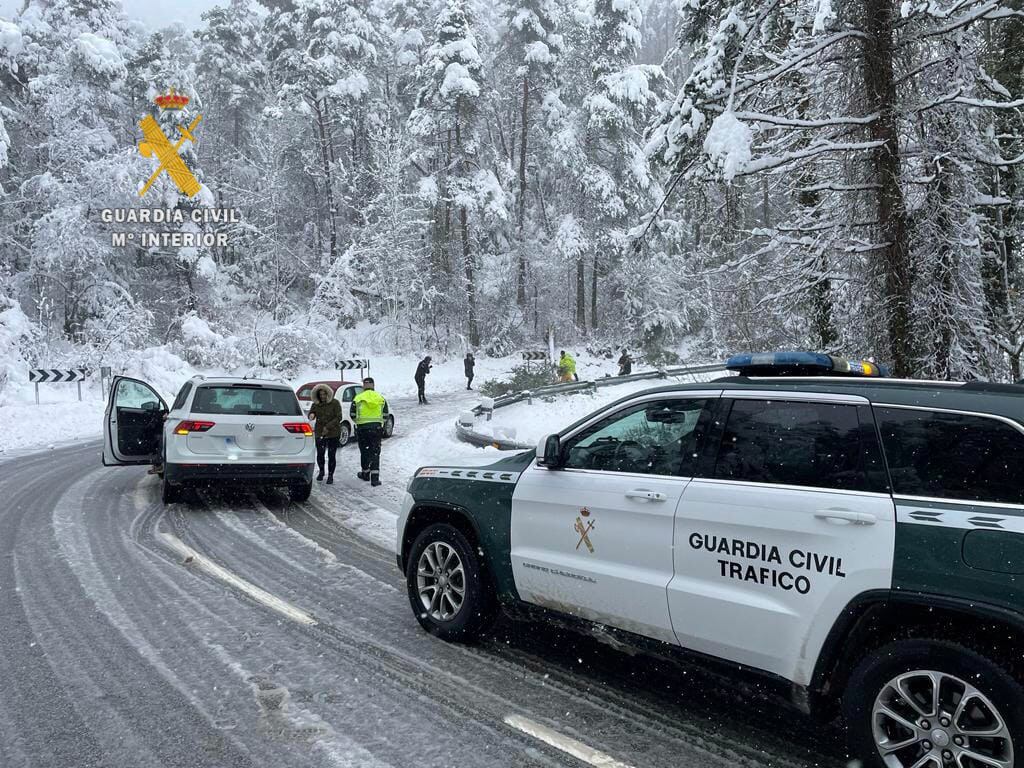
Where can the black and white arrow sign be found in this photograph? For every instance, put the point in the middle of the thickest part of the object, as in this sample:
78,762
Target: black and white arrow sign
54,375
348,365
535,355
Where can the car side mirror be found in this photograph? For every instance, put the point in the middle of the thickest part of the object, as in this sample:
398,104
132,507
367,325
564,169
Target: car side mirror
549,451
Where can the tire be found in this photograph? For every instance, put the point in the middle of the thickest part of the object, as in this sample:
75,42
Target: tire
346,434
301,492
477,609
169,492
389,426
989,696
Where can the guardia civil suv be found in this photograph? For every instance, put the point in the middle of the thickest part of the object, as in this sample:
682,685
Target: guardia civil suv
217,431
857,539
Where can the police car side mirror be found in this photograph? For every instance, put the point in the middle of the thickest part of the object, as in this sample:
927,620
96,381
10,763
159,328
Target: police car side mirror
549,452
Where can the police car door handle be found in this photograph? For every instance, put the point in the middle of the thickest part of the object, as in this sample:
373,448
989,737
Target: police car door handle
846,516
642,493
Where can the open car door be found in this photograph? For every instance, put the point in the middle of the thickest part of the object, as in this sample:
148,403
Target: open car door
133,423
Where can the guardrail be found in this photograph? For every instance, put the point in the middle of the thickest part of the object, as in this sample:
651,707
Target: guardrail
465,432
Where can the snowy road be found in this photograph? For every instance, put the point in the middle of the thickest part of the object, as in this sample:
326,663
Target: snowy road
249,631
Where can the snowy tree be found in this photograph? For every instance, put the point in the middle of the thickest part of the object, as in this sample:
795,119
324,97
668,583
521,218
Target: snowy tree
448,120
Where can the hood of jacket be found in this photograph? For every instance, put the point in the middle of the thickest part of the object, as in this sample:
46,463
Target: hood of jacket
322,388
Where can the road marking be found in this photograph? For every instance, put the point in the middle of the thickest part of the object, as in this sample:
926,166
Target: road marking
570,746
219,572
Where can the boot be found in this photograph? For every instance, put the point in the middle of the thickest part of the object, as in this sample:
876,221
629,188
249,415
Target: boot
363,475
330,479
321,475
374,479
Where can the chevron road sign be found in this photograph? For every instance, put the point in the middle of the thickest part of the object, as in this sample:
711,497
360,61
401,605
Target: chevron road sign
351,365
54,376
535,355
57,376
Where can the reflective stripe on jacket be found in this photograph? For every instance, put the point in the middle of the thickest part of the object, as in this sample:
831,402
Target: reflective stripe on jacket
369,407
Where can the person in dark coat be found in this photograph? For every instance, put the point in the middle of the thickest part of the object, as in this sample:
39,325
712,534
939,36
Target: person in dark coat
470,364
625,364
421,379
325,412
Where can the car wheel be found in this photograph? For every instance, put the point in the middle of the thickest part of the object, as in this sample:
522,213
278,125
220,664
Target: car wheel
930,704
389,426
450,594
301,492
169,492
346,434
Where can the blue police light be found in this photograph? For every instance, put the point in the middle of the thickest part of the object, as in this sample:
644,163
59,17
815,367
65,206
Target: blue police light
800,364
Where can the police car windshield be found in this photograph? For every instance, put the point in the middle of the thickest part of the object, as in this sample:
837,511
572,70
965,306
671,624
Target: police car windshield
245,400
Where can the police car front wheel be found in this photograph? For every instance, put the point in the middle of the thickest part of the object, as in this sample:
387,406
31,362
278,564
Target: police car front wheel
448,590
932,704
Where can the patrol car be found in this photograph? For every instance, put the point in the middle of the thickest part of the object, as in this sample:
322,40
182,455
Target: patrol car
856,539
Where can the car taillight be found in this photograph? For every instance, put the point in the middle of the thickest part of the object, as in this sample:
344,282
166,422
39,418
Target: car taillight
186,427
300,428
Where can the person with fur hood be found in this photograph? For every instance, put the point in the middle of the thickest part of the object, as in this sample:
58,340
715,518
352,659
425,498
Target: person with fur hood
326,413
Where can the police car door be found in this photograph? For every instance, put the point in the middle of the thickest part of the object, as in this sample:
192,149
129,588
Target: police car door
790,521
594,538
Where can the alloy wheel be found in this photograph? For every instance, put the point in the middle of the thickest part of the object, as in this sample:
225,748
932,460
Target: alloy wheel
440,581
929,719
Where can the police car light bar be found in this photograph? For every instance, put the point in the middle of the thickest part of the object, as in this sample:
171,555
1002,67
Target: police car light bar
800,364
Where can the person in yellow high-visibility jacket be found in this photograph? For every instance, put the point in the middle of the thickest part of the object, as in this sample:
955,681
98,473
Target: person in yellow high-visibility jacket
566,367
368,411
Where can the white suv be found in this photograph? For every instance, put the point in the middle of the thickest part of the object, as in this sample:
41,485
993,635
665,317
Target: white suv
218,430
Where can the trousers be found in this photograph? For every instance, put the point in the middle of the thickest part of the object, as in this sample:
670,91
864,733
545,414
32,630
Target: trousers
329,446
369,436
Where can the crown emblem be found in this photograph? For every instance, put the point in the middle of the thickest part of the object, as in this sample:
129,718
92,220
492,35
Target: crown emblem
171,100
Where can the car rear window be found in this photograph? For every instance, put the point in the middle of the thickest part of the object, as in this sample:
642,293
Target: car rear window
952,455
245,399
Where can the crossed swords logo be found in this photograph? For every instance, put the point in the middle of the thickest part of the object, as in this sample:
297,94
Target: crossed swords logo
157,144
584,529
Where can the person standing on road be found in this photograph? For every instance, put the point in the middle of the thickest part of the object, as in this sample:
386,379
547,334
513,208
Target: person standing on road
421,379
326,413
369,409
470,364
566,367
625,364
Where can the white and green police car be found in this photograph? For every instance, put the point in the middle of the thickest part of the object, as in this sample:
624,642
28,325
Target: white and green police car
857,539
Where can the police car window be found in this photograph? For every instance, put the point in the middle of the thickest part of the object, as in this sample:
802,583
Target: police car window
179,401
659,438
952,455
350,393
789,443
245,400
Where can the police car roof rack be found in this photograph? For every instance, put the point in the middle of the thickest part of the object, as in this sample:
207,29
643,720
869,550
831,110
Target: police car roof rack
794,363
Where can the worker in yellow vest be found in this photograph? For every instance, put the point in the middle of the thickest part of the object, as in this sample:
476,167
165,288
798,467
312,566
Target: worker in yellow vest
368,411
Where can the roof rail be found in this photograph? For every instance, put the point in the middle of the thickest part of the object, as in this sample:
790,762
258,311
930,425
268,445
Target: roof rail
858,380
995,386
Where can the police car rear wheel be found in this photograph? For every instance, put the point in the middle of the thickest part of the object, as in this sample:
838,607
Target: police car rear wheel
933,704
448,590
389,426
